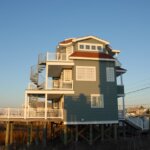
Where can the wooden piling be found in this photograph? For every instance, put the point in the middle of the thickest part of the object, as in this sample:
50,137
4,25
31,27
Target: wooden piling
102,132
45,134
11,133
91,135
115,131
76,133
65,135
7,134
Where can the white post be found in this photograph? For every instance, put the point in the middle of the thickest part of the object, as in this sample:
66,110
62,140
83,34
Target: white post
25,106
45,106
8,111
28,107
123,98
123,102
46,77
47,53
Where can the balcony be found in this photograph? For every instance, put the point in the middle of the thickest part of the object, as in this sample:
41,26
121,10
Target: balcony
120,90
34,113
60,85
49,56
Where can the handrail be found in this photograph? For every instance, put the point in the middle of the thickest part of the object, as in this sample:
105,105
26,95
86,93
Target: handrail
56,56
60,84
11,113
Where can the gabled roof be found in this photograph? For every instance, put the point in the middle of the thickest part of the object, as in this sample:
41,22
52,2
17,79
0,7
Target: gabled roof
79,54
69,41
92,37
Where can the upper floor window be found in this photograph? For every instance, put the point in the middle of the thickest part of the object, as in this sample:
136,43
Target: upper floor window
90,47
110,77
97,101
100,48
93,47
81,46
85,73
87,47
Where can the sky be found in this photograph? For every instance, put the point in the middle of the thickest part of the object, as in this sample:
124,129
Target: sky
29,27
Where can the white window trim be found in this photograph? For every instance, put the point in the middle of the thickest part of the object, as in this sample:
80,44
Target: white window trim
85,79
110,74
97,95
90,47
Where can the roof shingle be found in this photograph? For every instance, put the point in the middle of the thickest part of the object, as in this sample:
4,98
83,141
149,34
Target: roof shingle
91,55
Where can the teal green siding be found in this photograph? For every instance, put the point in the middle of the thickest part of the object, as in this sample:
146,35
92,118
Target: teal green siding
78,106
120,89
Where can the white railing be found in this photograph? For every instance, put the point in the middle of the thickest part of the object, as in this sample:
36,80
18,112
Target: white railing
40,113
56,57
10,113
52,56
32,86
59,84
141,122
120,114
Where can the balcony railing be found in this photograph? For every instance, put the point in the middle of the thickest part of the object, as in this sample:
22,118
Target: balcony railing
59,84
52,57
12,113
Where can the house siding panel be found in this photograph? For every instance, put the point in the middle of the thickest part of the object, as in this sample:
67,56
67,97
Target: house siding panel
78,106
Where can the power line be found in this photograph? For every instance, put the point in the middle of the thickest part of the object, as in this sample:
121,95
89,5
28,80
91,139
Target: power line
137,90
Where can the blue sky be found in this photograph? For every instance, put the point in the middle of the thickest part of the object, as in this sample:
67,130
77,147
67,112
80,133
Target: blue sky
28,27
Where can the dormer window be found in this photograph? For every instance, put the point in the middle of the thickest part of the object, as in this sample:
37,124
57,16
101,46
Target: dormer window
87,47
99,48
90,47
81,46
93,47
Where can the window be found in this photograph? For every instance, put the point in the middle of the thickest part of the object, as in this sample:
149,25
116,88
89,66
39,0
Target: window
110,77
97,101
99,48
85,73
87,46
81,46
93,47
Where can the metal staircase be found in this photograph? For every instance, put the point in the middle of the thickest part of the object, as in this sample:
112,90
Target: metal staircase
138,122
36,73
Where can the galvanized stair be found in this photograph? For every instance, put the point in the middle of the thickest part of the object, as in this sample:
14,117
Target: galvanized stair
36,70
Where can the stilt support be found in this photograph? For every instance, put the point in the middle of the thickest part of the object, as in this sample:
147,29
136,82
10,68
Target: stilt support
28,135
37,135
91,135
7,134
102,132
65,135
11,133
45,134
115,131
76,133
